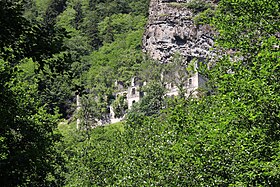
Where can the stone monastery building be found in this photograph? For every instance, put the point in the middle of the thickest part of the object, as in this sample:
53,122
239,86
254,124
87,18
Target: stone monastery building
171,29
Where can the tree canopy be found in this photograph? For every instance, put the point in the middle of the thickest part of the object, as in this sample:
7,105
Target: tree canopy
28,156
228,136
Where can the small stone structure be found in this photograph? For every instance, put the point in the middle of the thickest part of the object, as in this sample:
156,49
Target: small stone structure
79,106
133,93
192,84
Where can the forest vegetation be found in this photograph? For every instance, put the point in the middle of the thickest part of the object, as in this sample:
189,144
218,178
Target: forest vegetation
51,50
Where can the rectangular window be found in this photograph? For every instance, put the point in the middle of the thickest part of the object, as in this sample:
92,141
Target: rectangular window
190,82
133,91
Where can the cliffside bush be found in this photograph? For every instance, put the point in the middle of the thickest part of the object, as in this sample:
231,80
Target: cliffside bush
120,106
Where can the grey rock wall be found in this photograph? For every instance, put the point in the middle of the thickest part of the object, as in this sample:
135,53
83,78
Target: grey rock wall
171,29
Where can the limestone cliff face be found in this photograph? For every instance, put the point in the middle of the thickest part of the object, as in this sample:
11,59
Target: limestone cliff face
171,29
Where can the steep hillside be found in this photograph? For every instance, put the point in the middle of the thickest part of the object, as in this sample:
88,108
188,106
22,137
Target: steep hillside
227,134
229,137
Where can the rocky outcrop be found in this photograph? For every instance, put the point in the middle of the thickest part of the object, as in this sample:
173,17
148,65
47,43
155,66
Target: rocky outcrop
171,29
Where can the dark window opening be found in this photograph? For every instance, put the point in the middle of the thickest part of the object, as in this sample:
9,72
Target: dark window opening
190,81
133,91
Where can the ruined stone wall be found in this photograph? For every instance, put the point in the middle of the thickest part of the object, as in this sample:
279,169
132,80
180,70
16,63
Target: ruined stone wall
171,29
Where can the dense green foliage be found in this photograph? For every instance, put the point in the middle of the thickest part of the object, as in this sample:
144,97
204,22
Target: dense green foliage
104,38
229,138
28,156
51,49
46,49
83,155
